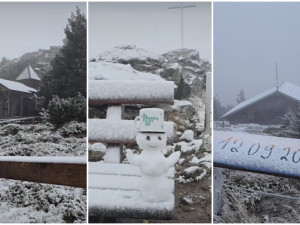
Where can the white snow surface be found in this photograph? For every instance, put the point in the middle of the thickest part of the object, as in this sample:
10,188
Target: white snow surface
125,200
258,153
45,159
16,86
130,90
118,71
119,169
124,130
127,53
119,182
288,89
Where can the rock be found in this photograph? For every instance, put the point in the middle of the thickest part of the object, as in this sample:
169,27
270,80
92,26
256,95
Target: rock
188,136
186,200
139,59
96,152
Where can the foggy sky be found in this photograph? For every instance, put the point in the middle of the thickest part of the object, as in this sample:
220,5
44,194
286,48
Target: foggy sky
248,40
27,27
151,26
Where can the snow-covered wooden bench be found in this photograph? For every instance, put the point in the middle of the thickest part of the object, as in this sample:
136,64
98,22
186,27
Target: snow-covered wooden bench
112,185
64,170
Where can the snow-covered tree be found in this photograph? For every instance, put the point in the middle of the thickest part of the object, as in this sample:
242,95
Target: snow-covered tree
68,75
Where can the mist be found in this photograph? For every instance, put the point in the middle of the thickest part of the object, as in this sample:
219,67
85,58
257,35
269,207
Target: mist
249,38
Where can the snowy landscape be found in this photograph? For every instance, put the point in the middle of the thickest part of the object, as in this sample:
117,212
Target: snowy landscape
43,114
188,71
28,202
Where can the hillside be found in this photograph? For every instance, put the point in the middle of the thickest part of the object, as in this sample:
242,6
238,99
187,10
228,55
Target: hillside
39,60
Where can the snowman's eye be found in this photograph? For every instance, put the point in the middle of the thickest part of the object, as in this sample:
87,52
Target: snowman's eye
159,138
148,138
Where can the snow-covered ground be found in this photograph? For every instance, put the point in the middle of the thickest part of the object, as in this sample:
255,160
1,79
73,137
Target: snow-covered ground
28,202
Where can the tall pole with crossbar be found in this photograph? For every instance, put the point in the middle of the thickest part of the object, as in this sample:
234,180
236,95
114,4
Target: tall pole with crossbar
181,7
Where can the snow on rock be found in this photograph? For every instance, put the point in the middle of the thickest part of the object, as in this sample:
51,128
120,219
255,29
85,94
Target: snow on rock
188,147
179,104
127,53
97,147
188,135
191,169
117,71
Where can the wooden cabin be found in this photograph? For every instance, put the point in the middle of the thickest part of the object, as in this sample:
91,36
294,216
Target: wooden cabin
19,98
267,107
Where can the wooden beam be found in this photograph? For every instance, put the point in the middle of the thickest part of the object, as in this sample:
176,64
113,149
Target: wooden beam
59,173
130,92
122,131
256,153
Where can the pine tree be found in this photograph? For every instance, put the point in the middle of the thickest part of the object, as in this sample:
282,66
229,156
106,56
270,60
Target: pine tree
68,74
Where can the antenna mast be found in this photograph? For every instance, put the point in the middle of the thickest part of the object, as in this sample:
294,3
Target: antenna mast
276,77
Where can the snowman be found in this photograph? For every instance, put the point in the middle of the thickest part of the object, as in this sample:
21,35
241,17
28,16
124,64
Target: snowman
151,138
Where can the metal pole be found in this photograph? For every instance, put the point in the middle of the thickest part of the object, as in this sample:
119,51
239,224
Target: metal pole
276,77
181,7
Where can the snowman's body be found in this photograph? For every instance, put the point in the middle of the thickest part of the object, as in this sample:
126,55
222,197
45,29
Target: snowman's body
154,185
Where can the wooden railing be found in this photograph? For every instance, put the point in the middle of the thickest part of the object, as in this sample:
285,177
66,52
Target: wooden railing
256,153
68,171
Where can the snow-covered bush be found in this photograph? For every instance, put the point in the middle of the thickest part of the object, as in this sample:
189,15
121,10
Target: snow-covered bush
62,110
292,122
73,129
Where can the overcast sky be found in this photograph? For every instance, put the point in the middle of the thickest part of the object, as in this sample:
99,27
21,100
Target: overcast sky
27,27
248,40
151,26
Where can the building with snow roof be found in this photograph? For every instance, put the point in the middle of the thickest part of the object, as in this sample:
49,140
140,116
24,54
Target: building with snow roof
18,98
29,77
267,107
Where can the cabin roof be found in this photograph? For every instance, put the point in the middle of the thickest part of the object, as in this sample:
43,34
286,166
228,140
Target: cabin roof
288,89
16,86
28,73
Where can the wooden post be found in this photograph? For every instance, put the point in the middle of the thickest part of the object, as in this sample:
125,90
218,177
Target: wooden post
208,101
8,105
218,190
113,152
21,113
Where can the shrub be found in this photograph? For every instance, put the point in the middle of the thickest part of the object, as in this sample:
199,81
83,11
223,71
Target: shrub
62,110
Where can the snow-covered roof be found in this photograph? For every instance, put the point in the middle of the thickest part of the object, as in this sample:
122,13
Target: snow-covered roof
288,89
16,86
28,73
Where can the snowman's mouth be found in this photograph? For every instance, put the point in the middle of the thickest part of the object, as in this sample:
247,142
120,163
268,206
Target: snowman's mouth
152,146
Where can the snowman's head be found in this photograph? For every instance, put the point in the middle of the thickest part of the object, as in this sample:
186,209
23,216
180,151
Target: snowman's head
151,141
